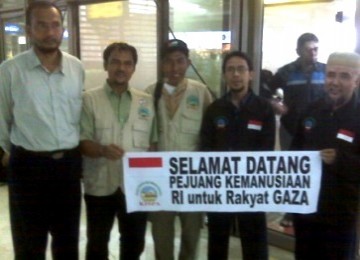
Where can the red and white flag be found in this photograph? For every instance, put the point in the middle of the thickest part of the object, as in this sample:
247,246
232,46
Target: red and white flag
345,135
255,125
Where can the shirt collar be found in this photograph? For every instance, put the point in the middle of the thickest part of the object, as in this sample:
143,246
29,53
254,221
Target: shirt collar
317,65
179,88
110,92
351,104
245,99
34,61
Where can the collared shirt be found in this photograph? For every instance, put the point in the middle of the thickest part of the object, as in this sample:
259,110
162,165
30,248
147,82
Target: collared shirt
120,104
172,101
225,127
242,102
40,110
100,123
179,123
321,127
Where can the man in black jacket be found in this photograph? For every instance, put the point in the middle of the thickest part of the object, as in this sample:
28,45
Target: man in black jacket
239,121
332,125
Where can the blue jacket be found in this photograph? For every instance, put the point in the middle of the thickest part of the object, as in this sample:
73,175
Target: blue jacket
300,89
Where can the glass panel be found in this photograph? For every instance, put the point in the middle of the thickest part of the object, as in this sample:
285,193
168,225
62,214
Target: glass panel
15,40
201,24
65,41
7,4
15,36
132,21
279,40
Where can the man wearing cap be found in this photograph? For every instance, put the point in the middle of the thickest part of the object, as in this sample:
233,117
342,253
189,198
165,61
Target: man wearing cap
116,118
180,103
332,125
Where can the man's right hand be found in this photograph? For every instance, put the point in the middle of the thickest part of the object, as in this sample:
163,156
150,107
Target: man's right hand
112,152
279,107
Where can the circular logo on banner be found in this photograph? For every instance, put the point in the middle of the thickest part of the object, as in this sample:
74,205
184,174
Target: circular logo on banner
148,193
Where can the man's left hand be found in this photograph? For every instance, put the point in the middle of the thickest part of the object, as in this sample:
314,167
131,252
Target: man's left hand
328,155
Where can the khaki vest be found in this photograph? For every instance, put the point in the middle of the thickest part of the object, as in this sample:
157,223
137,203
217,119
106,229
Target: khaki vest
101,176
181,133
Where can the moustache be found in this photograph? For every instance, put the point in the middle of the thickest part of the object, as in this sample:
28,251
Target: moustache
119,73
51,40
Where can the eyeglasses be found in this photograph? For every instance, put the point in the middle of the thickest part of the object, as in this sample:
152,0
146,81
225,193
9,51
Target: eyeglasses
239,69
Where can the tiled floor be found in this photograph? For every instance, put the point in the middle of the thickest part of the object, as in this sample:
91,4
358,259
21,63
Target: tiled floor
7,254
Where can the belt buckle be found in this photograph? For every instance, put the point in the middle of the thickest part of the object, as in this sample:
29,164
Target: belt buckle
57,156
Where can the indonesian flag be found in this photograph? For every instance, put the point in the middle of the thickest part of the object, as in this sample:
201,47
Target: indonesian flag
345,135
254,125
145,162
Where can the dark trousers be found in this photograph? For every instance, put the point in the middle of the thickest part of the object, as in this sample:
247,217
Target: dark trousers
320,240
44,197
101,213
3,173
253,235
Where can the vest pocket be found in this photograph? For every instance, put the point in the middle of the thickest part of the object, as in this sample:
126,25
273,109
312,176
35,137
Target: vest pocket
103,131
190,123
141,134
190,128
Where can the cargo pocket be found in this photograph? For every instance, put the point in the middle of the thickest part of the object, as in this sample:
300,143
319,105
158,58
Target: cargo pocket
141,134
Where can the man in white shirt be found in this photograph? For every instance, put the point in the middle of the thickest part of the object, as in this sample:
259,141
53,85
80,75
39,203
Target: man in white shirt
40,104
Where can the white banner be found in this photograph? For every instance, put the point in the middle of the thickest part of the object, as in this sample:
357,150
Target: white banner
222,181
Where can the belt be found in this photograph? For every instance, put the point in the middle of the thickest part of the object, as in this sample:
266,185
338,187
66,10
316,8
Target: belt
56,155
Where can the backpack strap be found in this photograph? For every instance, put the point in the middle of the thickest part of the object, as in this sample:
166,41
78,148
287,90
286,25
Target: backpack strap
157,93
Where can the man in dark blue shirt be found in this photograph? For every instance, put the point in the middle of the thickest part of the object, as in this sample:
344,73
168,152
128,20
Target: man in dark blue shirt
302,82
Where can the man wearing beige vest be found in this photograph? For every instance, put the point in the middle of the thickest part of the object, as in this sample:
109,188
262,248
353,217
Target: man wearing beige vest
180,103
115,119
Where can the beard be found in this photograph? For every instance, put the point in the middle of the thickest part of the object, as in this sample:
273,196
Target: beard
235,91
47,46
336,103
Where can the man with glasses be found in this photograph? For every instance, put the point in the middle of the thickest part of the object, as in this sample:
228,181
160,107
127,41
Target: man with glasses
239,121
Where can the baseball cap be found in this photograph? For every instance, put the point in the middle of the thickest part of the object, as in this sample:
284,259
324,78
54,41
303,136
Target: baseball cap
175,45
